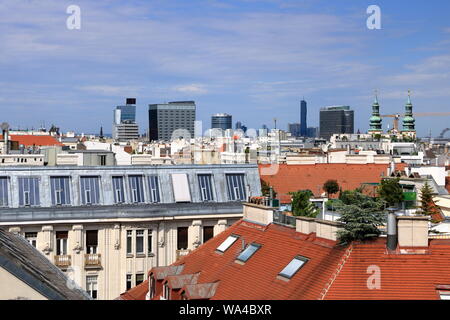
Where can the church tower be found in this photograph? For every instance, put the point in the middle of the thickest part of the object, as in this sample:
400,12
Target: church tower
375,119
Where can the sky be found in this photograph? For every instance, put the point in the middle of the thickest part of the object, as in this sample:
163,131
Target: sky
253,59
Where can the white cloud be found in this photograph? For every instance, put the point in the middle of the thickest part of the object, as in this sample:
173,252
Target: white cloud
191,89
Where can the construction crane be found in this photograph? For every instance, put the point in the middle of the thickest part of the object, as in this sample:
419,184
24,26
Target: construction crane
419,114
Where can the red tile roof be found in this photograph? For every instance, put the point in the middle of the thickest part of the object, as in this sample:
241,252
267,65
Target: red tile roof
403,276
34,140
291,178
137,293
257,278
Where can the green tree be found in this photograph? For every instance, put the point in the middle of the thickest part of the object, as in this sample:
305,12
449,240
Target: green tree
361,216
428,206
331,187
391,192
301,206
265,189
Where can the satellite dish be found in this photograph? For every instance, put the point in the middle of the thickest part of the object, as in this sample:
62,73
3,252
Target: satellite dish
5,126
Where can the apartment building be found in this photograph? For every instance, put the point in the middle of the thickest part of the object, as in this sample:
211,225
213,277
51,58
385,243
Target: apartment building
105,226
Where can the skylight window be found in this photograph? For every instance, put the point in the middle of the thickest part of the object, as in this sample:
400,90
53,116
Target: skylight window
248,252
291,269
227,243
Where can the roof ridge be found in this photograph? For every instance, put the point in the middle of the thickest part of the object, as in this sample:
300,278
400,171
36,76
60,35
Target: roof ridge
341,264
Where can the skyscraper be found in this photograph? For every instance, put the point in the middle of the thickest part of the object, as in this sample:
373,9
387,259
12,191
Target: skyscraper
336,120
171,120
125,127
294,129
221,121
303,123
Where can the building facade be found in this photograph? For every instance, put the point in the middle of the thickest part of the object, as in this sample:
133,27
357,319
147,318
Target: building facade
221,121
106,226
336,119
125,127
303,116
171,120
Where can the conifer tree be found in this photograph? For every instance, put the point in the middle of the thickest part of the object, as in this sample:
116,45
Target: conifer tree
361,215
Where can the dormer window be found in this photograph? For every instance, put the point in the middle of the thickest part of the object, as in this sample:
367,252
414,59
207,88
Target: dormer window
227,243
248,252
166,291
292,268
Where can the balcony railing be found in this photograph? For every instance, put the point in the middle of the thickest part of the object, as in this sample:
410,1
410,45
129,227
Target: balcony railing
281,218
63,261
92,260
182,252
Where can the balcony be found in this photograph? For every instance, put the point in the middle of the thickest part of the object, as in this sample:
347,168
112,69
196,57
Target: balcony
92,260
182,252
63,261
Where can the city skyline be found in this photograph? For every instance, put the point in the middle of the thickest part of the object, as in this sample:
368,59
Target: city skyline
245,58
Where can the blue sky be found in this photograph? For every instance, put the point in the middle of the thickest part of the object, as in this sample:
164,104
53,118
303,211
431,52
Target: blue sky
252,59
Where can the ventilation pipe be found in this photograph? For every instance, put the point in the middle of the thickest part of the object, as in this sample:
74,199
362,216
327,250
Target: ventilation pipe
391,229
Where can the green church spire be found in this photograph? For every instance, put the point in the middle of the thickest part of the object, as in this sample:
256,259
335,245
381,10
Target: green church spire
375,119
408,120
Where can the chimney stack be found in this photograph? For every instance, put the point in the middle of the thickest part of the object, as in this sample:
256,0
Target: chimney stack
5,130
413,231
391,229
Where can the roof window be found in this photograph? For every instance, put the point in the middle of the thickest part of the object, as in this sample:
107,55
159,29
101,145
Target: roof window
291,269
227,243
248,252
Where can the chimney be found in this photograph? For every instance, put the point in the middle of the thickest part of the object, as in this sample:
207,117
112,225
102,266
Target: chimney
391,243
413,231
305,225
327,229
5,131
258,213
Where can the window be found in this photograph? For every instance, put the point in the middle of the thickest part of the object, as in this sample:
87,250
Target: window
3,192
227,243
149,241
152,286
444,295
31,237
248,252
166,292
236,187
181,187
139,278
140,241
60,190
291,269
102,160
90,190
91,241
29,192
119,195
154,189
206,191
61,243
129,242
129,282
136,189
91,286
182,238
208,233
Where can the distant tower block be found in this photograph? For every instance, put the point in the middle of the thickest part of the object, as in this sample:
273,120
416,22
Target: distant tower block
376,126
